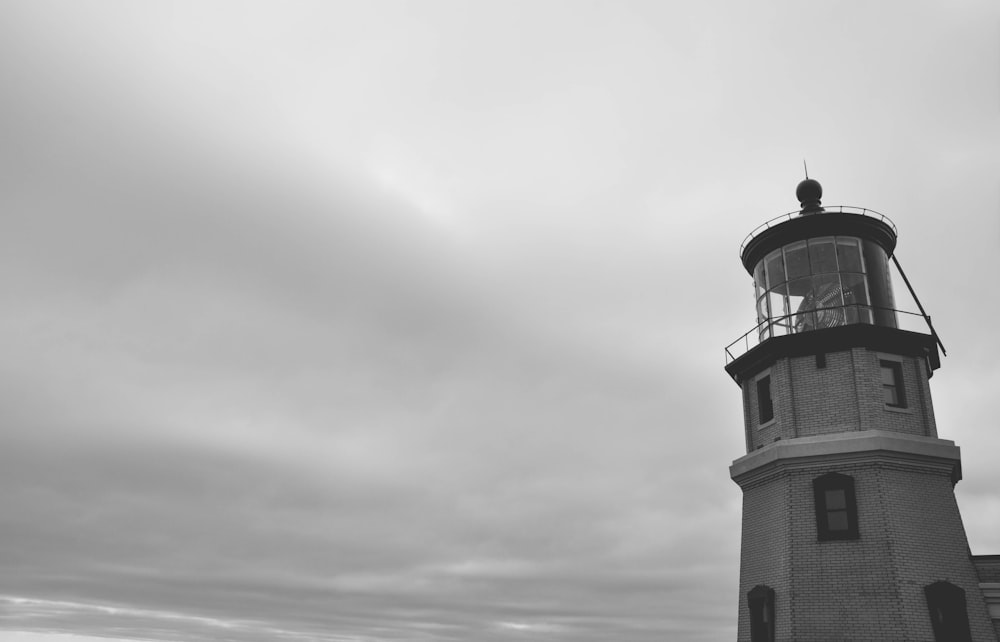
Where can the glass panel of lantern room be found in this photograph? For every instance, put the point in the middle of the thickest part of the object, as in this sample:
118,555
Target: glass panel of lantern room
857,309
798,291
827,299
849,254
827,292
774,268
879,284
759,288
822,255
758,291
777,298
796,260
758,278
764,327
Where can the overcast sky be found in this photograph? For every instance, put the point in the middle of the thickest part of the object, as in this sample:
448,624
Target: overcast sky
383,321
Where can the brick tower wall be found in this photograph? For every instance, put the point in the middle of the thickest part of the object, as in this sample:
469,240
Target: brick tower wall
911,535
765,555
843,395
924,519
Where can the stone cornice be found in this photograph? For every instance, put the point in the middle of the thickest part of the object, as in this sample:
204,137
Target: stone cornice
846,448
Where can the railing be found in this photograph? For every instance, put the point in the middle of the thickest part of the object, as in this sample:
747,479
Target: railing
819,318
842,209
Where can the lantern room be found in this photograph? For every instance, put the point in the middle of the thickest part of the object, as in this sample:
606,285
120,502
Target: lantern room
822,283
819,268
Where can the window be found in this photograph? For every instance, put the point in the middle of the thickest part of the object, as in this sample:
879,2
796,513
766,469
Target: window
796,260
946,603
849,254
892,384
836,507
760,600
856,298
775,268
765,405
822,255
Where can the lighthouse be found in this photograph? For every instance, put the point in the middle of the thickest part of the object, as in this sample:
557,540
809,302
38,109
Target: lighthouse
850,526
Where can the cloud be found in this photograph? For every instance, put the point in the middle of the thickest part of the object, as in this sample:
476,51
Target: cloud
251,400
376,323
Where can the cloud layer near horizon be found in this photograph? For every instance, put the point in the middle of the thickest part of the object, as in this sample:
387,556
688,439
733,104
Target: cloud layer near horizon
367,322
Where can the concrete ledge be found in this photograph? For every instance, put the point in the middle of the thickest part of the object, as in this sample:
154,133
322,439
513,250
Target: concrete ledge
843,445
991,593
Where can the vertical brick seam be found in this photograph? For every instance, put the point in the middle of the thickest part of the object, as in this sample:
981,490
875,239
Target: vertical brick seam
793,415
857,389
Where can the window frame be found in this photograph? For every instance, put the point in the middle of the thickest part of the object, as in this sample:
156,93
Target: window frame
835,482
898,381
760,603
949,616
761,379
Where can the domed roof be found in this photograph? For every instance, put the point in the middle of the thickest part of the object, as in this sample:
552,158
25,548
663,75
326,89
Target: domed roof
809,192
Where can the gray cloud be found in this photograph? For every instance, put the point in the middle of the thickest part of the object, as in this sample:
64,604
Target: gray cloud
375,323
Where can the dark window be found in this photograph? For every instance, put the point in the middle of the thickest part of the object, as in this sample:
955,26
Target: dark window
892,384
950,620
836,507
760,600
765,405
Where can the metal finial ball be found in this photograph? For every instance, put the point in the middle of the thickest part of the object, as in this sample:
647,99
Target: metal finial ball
809,191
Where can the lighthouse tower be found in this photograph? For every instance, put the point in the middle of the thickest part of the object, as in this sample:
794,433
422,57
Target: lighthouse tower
851,530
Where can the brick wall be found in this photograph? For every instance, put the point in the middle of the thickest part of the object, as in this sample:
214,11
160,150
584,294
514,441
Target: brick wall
865,589
926,531
844,395
826,400
917,418
764,557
